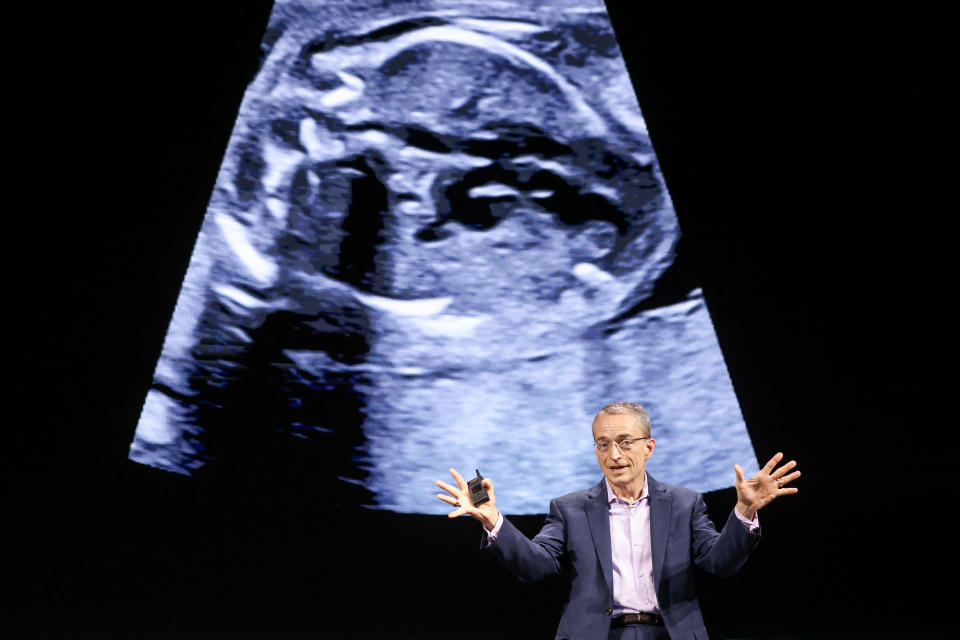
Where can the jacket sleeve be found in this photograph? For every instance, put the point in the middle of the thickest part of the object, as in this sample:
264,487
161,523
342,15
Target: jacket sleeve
531,560
722,553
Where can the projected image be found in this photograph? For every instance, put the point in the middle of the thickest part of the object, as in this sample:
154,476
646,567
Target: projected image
434,241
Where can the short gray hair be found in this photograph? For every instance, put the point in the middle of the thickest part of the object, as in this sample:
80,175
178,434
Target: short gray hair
624,407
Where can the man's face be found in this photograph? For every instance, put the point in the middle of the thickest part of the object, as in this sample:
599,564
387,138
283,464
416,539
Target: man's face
622,468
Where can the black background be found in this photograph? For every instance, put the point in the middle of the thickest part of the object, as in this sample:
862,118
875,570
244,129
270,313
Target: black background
807,153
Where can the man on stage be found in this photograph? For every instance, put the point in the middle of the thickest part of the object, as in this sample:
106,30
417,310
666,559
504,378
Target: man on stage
627,547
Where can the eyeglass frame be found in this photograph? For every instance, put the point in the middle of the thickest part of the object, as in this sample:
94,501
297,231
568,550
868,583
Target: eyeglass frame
618,443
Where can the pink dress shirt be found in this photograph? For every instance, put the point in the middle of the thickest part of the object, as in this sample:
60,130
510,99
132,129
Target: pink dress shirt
633,588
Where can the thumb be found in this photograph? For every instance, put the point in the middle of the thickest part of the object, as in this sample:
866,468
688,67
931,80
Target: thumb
739,472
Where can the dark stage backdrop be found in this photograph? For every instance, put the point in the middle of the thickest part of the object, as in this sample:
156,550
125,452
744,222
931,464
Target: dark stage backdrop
800,152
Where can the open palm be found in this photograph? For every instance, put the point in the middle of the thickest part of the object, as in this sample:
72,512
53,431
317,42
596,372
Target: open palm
763,488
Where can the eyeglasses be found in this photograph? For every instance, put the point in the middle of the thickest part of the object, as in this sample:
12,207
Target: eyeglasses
624,445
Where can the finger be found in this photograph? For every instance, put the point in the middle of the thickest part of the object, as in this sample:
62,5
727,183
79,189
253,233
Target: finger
459,478
739,472
488,485
787,492
793,476
449,488
783,470
773,462
456,513
447,499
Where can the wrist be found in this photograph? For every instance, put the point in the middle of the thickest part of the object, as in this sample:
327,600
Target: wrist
746,511
489,521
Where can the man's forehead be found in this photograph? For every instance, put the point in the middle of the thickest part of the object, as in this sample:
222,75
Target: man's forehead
612,425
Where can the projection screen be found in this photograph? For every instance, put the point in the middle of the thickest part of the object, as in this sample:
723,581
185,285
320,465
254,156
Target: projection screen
434,241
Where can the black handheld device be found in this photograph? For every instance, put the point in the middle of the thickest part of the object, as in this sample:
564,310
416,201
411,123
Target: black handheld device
477,493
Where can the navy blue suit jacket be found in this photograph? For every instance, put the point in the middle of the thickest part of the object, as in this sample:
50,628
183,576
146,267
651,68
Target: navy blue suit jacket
575,543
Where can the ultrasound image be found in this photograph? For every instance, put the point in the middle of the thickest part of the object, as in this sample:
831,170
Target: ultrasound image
436,240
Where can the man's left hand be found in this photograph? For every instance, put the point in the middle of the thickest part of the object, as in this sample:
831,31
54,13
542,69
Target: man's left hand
757,492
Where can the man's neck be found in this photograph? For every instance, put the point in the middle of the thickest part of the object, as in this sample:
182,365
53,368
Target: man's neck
631,493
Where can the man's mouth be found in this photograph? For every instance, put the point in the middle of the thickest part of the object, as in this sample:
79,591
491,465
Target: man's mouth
618,467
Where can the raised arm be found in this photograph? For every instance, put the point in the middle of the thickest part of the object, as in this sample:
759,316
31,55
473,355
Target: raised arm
725,552
529,560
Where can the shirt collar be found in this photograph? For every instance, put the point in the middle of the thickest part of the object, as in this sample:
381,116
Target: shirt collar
644,493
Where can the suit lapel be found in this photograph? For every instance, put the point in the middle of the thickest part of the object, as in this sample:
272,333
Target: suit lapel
660,504
598,516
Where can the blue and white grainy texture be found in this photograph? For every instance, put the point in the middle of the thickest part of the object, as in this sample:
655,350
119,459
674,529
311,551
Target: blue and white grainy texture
428,246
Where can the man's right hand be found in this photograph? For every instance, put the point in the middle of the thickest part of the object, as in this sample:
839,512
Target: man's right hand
459,497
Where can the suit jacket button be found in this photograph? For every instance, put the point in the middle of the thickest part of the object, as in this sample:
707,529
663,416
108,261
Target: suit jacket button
608,611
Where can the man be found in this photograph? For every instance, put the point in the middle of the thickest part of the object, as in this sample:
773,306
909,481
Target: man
628,547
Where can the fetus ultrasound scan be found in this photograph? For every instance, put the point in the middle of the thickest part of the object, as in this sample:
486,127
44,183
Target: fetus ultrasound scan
435,241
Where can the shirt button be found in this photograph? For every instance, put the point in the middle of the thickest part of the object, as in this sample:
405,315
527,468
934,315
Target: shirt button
608,611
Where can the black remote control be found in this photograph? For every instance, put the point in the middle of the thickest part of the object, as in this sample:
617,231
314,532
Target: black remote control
477,493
